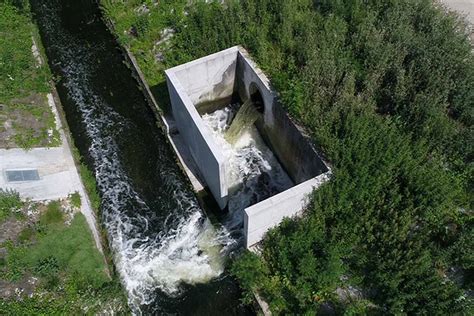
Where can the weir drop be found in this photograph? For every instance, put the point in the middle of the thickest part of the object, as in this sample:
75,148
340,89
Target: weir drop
243,120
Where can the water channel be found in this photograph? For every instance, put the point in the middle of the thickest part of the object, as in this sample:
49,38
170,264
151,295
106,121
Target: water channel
170,258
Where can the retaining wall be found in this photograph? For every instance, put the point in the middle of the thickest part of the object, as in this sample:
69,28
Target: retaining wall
205,79
264,215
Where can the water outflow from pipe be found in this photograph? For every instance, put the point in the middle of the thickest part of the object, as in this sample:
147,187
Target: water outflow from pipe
255,173
243,120
169,256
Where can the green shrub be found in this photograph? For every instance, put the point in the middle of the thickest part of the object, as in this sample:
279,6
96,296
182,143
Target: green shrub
75,199
9,202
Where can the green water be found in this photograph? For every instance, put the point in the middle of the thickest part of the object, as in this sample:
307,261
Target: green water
244,119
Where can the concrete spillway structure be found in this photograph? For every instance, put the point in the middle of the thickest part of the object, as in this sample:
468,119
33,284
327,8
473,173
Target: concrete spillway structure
209,83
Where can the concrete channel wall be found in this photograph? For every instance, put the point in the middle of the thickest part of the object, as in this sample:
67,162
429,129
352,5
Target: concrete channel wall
204,79
260,217
285,138
223,75
208,78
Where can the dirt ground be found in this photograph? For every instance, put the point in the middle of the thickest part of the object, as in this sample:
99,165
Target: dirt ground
27,122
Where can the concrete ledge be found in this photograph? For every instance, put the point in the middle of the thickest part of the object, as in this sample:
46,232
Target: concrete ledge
199,139
260,217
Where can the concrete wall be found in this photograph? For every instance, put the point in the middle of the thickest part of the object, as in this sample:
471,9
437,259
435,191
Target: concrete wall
219,76
262,216
199,139
293,150
209,78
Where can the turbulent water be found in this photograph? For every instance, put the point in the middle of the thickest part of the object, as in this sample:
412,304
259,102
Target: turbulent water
255,174
244,119
169,256
164,246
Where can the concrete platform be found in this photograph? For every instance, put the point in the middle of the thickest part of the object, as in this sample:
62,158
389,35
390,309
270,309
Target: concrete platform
57,172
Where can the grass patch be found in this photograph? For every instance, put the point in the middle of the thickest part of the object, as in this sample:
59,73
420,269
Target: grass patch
20,73
58,249
75,199
91,185
71,248
53,214
9,202
70,270
24,83
26,234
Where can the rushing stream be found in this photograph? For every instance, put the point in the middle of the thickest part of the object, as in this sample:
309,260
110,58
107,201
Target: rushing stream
255,174
169,256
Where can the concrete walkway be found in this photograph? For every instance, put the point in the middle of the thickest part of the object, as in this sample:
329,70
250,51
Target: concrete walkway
463,7
57,171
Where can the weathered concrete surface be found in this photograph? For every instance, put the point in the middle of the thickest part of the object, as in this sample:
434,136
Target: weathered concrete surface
262,216
294,151
463,7
184,156
209,78
57,170
199,140
204,79
223,75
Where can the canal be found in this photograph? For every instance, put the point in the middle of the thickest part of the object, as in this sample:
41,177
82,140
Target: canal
170,258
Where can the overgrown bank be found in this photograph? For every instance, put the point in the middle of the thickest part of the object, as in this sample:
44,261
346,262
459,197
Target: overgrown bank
49,263
26,119
386,91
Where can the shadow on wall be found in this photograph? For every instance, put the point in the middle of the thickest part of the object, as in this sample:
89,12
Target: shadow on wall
161,94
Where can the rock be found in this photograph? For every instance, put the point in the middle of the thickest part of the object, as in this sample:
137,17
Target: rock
159,57
133,31
165,35
143,9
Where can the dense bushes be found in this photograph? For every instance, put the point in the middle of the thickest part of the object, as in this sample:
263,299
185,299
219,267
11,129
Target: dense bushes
385,89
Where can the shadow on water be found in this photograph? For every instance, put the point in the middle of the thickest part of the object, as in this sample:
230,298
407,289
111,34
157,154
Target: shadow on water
162,96
156,229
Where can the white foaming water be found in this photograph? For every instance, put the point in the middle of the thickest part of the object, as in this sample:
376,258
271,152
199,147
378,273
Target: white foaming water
187,252
255,174
187,249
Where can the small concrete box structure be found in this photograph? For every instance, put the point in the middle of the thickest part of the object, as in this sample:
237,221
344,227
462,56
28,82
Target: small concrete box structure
201,86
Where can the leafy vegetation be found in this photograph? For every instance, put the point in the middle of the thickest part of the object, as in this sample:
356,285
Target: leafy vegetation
75,199
90,185
9,202
385,89
71,271
26,119
53,214
21,74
